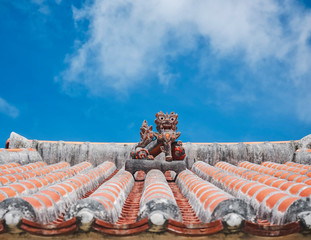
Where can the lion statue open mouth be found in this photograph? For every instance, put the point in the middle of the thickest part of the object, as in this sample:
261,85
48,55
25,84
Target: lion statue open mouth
153,143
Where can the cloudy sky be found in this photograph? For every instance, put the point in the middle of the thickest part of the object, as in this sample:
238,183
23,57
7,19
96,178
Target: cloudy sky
93,70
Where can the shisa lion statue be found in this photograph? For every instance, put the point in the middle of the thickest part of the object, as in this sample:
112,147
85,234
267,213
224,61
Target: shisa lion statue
153,143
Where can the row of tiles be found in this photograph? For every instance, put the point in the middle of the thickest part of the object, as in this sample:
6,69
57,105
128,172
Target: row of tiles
36,183
45,204
277,205
212,202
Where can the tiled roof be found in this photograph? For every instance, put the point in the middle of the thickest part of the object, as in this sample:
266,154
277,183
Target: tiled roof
270,203
53,199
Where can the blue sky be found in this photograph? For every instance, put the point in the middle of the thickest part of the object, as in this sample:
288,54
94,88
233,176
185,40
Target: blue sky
94,70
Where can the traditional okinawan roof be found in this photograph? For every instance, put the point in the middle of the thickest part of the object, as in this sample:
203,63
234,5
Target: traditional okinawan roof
43,196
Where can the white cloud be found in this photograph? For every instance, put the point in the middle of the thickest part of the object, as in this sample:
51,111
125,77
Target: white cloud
131,41
43,5
8,109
